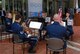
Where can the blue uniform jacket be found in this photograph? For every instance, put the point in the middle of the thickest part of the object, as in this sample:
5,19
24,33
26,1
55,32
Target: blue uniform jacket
8,23
56,30
16,28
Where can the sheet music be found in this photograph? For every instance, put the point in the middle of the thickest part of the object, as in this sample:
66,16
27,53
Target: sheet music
69,22
35,25
63,23
47,19
29,35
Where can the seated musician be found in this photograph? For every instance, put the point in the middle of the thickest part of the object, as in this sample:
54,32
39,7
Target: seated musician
18,29
56,30
43,21
8,22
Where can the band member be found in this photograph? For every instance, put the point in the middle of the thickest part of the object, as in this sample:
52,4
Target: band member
18,29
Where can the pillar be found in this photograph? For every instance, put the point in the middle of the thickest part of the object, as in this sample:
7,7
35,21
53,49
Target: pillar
3,4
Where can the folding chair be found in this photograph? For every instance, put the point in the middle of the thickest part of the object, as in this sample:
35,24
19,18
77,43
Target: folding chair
16,40
55,45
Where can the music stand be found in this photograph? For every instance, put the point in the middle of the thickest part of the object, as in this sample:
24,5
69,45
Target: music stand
35,25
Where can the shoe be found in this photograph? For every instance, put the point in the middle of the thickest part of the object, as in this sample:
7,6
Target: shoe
55,52
31,51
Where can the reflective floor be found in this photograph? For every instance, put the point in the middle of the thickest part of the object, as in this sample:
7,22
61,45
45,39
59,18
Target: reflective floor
73,46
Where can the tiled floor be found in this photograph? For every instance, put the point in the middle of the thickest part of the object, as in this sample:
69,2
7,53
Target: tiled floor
7,48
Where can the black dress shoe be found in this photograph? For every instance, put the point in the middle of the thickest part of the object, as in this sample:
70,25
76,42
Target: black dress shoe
31,51
55,52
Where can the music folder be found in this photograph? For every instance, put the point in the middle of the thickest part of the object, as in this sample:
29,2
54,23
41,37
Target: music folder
35,25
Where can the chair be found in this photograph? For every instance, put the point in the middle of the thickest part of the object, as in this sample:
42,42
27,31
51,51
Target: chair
55,45
16,40
0,33
3,32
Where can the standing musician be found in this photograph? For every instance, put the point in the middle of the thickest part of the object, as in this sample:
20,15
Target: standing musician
69,24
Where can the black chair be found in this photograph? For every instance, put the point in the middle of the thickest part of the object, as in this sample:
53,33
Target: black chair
0,33
5,33
55,45
17,40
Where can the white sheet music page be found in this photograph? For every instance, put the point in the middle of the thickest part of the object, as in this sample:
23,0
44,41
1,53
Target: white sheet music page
47,19
70,22
35,25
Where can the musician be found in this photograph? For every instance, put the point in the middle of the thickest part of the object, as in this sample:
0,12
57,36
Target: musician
42,20
69,24
18,29
56,30
8,22
2,14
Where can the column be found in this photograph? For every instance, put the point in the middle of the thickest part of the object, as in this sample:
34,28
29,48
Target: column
8,5
26,8
48,7
13,10
53,7
3,4
76,3
13,5
23,7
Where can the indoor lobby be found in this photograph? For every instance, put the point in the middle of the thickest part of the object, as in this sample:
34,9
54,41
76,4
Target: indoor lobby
31,13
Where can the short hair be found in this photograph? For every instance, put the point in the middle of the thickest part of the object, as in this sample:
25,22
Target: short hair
68,12
43,11
8,14
55,15
18,16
